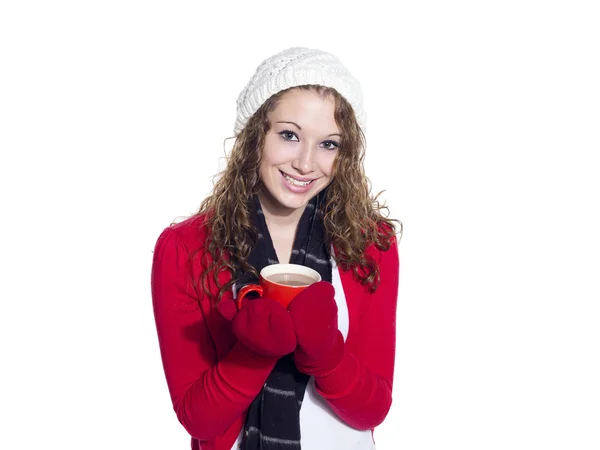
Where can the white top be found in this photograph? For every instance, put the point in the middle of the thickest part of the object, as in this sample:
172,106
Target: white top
319,426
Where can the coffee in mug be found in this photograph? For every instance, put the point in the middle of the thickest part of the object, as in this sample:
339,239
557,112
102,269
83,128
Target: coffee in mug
291,279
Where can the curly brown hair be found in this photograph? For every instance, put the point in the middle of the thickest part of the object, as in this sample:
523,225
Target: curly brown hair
353,218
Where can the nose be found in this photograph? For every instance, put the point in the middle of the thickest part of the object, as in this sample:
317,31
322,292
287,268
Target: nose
304,162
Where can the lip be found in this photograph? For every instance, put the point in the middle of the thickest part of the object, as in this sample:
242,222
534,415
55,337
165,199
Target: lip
297,178
293,188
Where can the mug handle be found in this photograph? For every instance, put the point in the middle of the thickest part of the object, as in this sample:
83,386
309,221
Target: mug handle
245,291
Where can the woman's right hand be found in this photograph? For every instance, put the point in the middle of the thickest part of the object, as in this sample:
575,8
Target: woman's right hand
265,327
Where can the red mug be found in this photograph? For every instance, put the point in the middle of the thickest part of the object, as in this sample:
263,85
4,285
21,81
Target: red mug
280,282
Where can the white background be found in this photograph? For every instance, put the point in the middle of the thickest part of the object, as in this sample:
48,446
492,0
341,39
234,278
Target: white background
483,124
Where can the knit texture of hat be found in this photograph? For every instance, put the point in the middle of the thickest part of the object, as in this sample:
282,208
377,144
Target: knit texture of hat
298,66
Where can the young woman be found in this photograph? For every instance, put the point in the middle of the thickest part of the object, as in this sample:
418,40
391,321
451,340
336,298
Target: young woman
317,375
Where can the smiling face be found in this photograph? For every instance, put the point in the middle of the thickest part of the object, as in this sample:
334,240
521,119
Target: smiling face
299,151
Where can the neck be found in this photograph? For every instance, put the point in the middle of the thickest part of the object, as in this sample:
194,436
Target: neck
278,217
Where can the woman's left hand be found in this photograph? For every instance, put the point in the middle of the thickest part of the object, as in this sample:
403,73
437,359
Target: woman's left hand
315,316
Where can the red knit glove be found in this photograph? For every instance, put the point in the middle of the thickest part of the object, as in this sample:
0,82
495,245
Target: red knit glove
265,328
315,317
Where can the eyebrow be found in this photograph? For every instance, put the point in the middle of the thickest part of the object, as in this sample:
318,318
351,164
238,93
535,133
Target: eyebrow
293,123
300,128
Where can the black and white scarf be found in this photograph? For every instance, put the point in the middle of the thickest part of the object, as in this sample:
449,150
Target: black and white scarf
273,420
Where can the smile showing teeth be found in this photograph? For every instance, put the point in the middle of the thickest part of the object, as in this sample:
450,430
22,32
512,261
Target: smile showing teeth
296,182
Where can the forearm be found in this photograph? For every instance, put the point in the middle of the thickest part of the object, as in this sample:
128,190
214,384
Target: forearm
359,389
222,393
359,396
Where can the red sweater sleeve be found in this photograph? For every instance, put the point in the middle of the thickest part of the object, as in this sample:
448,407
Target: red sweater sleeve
208,396
359,390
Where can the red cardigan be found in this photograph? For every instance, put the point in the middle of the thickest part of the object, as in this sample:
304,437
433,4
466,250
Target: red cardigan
212,379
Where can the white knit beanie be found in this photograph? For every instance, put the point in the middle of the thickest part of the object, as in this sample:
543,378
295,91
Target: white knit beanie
298,66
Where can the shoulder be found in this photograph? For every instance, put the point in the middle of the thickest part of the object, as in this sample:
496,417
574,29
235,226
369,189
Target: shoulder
190,232
389,253
180,248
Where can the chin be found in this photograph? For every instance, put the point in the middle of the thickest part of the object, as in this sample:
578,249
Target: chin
295,202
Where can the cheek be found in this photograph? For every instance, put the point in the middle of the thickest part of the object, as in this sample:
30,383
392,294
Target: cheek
328,164
264,169
272,154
